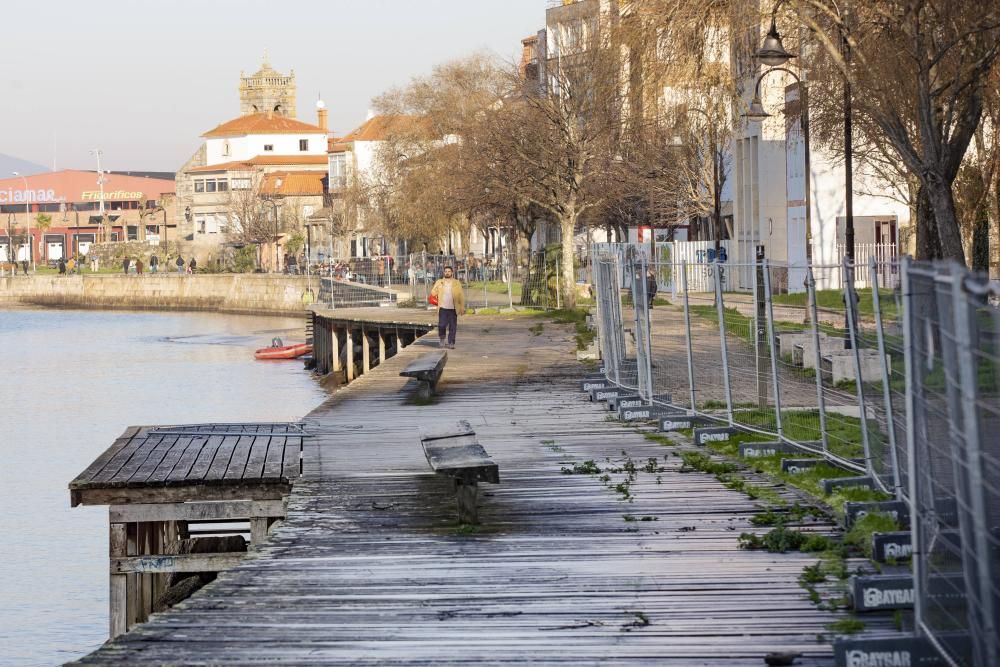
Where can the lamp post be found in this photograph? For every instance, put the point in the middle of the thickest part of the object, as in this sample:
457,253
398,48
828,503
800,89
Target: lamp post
27,217
757,113
772,52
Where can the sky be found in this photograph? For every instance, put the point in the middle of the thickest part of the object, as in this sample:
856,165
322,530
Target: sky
143,79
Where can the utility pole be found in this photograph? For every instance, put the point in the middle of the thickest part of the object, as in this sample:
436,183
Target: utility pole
100,183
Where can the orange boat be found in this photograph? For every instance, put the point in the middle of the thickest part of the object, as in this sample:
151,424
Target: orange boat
280,351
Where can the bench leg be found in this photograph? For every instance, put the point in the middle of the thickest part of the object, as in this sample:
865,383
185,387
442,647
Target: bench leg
467,494
425,390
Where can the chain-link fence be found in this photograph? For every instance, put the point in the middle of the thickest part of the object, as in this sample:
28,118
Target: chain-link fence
502,280
952,362
901,383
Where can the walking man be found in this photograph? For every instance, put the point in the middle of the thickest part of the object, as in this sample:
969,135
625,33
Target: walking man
451,303
154,264
180,264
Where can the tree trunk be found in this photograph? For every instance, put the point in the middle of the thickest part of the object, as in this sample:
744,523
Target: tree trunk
942,202
928,246
568,277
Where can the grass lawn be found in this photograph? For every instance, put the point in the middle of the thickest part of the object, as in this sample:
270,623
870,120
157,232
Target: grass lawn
834,300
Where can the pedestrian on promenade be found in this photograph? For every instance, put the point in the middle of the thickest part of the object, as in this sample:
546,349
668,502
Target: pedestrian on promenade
24,266
192,265
154,264
71,265
650,286
138,266
62,267
447,293
180,264
125,264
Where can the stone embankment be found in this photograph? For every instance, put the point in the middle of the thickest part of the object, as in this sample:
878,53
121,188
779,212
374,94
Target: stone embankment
233,293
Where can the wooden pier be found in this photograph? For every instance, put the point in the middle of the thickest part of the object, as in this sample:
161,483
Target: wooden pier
168,484
370,566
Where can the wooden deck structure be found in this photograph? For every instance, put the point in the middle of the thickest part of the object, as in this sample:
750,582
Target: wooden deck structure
371,567
169,483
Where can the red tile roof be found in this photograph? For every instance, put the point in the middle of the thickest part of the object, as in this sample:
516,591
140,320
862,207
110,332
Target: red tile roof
263,123
379,128
294,183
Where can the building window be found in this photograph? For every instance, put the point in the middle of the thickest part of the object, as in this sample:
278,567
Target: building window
241,184
210,185
303,144
199,186
338,170
268,147
223,185
225,148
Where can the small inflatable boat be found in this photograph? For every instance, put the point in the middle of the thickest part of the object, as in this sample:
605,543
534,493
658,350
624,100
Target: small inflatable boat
281,351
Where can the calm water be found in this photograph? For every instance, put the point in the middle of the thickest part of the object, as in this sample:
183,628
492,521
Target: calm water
70,382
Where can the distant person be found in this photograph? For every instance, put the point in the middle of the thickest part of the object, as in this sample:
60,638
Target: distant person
62,267
192,265
379,270
154,264
71,265
650,286
451,303
138,266
126,263
180,264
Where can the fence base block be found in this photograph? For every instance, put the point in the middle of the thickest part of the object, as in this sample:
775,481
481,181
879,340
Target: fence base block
632,400
755,450
897,509
641,413
843,482
703,436
882,591
893,651
607,393
796,466
679,422
589,385
895,546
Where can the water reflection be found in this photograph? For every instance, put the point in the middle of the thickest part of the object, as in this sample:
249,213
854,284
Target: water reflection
70,382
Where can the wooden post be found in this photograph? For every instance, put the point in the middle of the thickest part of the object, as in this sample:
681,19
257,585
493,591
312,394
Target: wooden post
400,340
467,495
118,547
366,352
335,344
258,530
381,347
134,580
349,346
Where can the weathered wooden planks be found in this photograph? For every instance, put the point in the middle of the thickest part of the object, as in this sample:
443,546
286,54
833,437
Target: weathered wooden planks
370,567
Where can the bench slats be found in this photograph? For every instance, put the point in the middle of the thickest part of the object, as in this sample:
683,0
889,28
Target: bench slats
466,460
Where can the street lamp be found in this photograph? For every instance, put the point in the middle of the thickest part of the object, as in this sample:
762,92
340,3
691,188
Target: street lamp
27,216
772,52
757,113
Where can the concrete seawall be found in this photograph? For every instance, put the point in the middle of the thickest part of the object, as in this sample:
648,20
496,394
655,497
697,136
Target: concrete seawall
234,293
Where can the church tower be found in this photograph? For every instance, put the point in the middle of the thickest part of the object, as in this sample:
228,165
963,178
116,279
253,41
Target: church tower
267,90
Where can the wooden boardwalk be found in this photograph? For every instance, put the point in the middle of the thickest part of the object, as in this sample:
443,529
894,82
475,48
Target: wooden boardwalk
371,568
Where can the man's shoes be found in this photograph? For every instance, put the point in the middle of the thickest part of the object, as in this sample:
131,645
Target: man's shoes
451,346
441,343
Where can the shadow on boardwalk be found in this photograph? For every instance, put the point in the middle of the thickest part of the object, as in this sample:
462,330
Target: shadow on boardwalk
370,566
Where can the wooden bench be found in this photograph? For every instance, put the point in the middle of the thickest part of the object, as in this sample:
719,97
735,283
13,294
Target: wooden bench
427,370
457,454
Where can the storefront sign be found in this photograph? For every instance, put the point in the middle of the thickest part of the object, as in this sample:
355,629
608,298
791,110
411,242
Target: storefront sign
111,195
27,196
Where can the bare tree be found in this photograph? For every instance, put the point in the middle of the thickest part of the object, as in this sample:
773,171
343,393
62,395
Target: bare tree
249,212
919,71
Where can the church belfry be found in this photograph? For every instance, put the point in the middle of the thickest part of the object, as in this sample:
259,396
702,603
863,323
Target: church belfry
267,90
